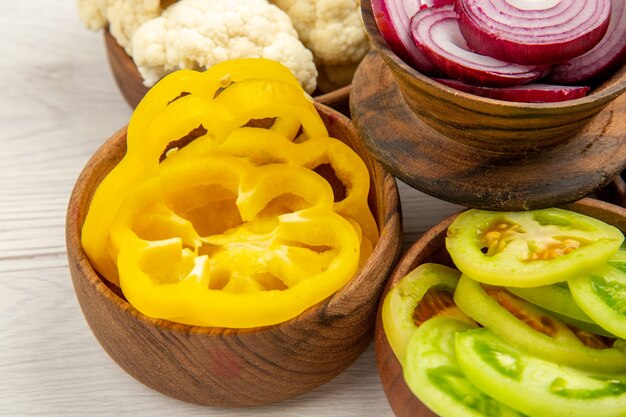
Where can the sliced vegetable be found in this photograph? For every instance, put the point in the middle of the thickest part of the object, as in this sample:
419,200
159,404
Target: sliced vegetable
166,115
531,248
528,328
556,297
558,300
535,386
393,19
207,244
583,329
532,32
436,33
423,293
602,295
530,93
619,259
433,375
606,57
222,212
205,84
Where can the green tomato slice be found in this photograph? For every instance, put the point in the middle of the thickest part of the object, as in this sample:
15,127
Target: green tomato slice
536,386
602,295
556,297
531,329
403,309
619,259
433,375
582,325
558,300
530,248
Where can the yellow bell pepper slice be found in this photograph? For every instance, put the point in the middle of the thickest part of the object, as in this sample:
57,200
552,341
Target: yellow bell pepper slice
204,84
158,121
139,164
353,174
242,277
257,99
219,213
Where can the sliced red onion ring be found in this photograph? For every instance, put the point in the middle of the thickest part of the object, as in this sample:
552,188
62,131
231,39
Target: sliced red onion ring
439,3
393,18
530,93
436,33
605,58
533,31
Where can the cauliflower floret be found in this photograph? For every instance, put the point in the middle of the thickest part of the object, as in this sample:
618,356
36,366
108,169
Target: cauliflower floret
197,34
92,13
122,16
334,32
331,29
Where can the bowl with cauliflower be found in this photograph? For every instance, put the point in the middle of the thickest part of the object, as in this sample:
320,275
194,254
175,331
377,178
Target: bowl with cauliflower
321,41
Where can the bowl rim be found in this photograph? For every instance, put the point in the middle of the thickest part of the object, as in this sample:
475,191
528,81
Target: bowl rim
467,99
390,238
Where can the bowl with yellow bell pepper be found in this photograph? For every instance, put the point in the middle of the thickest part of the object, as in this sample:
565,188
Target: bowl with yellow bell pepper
228,247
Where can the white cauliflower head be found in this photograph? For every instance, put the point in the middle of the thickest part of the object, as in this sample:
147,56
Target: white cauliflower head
331,29
197,34
122,16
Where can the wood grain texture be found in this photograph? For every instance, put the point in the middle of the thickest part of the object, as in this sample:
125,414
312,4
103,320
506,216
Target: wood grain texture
431,248
447,169
130,81
232,367
497,126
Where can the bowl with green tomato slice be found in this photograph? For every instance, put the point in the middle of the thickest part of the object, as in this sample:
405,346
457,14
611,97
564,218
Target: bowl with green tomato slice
431,345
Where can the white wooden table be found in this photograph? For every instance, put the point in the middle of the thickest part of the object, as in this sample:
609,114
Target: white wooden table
58,103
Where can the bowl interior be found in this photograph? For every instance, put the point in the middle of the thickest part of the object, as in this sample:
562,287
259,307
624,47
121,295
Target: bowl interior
231,367
431,248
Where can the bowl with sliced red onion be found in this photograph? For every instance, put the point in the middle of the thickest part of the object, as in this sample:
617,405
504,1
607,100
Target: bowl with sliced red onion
505,75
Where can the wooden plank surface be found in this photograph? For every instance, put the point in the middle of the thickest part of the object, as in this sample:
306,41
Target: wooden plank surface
58,103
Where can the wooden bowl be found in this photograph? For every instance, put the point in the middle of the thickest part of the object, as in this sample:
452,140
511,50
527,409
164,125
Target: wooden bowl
615,192
232,367
480,152
130,82
486,123
431,248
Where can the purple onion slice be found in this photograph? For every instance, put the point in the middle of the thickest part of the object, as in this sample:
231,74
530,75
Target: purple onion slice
393,18
533,31
529,93
605,58
436,33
